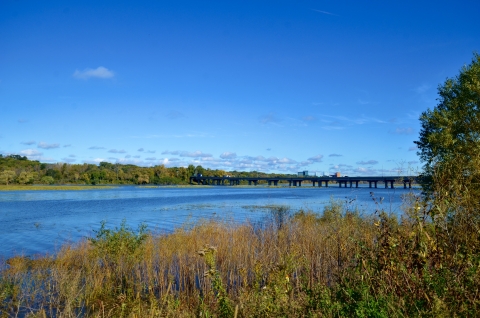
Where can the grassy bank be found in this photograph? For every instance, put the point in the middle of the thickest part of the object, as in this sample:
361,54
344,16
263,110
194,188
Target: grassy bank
295,265
51,187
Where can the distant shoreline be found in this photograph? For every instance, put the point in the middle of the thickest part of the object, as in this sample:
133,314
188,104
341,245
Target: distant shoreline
53,187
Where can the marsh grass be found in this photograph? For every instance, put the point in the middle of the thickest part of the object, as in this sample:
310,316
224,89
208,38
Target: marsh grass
334,264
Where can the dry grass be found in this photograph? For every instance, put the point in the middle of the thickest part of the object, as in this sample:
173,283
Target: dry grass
261,267
334,265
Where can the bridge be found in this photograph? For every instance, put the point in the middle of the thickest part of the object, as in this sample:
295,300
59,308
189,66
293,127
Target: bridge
320,181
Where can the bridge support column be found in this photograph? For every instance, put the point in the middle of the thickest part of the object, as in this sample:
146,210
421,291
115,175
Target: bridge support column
249,182
356,184
391,184
326,184
351,183
275,183
319,184
375,182
313,183
299,183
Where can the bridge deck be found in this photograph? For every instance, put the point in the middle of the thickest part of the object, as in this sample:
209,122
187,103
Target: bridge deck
297,181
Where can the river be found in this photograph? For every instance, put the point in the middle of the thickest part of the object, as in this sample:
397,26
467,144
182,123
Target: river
39,222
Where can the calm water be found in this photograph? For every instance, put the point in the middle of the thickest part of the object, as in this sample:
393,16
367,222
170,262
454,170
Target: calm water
33,222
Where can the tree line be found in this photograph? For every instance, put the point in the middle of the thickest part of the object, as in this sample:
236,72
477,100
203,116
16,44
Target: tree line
16,169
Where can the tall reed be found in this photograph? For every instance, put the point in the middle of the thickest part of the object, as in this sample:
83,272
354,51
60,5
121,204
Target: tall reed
336,263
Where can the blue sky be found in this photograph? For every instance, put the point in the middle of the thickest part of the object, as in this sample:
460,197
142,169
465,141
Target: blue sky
276,86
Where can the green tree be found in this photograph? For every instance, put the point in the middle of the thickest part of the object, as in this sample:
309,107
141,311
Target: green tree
449,142
25,177
48,180
449,146
7,176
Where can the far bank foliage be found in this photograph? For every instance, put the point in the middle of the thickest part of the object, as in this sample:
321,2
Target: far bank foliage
15,169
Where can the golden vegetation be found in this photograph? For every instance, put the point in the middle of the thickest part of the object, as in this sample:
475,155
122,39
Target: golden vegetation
330,265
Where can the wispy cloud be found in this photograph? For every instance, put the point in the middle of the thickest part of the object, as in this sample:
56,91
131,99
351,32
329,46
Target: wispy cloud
422,88
309,118
317,158
34,154
413,148
175,114
358,120
67,145
31,142
228,155
269,118
44,145
194,154
334,155
117,151
369,162
69,160
187,135
31,152
325,12
403,131
99,72
22,121
96,148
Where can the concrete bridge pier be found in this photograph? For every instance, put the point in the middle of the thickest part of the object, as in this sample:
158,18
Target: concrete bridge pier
391,184
370,184
409,184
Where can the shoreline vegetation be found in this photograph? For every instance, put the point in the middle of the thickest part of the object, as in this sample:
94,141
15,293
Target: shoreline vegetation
19,170
339,263
52,187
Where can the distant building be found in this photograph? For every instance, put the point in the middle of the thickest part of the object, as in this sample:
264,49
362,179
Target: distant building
336,175
303,174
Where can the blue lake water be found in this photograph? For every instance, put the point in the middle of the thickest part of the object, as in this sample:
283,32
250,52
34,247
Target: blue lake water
38,222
